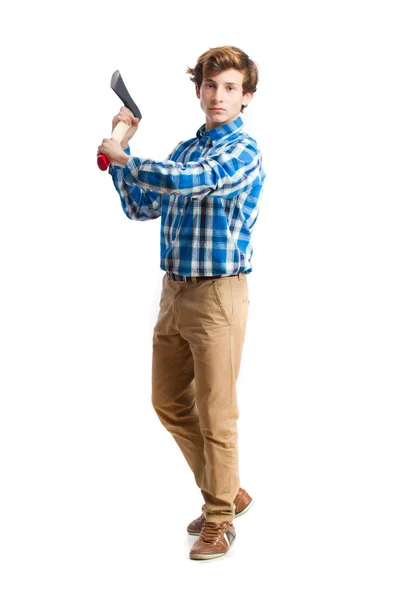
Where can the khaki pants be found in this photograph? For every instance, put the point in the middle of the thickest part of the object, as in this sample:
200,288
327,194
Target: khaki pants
197,347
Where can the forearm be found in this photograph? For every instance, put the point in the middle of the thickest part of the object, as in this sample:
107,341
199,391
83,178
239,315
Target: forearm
224,176
138,204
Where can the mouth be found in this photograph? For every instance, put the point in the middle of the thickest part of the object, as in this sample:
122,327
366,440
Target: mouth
217,109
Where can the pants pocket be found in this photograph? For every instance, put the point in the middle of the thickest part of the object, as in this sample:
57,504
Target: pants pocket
224,297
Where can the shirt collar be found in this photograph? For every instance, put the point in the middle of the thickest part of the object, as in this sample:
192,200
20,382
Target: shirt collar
220,131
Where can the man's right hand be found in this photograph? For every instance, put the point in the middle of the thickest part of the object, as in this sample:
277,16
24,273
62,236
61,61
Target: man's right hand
126,116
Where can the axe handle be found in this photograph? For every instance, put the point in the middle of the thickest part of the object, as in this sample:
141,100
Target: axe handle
117,134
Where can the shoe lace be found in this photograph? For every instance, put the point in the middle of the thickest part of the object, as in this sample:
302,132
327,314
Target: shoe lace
212,532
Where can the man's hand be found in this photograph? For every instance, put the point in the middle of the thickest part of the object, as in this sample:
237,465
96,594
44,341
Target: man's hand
114,152
127,116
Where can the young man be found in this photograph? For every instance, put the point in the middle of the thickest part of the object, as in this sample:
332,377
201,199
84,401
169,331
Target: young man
207,194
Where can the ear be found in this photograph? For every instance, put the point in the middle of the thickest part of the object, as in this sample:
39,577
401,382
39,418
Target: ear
198,94
247,98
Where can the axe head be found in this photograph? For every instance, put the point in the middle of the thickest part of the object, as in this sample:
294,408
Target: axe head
117,84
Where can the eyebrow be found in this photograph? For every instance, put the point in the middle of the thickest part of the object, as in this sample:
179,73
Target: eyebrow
226,83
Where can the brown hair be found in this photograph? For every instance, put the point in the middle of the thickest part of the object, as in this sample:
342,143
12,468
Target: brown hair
216,60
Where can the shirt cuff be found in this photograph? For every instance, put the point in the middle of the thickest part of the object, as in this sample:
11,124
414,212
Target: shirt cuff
131,170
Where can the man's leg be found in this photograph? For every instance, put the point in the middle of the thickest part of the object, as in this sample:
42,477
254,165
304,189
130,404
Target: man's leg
212,318
173,386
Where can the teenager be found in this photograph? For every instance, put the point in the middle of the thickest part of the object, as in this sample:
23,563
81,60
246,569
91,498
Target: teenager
207,194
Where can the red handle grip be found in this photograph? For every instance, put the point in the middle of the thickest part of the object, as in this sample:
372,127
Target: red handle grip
117,134
103,162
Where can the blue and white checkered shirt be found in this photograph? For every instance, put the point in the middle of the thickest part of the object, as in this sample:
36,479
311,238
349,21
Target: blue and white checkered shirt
207,192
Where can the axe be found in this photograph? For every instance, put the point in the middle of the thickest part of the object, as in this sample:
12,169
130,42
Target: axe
117,84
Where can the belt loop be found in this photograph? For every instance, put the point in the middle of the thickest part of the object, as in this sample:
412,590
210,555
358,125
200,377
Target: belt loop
239,276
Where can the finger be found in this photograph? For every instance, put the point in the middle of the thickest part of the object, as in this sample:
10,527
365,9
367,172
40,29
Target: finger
123,116
126,115
126,110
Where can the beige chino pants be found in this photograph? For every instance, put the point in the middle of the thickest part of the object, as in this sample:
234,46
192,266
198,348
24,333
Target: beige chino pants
197,346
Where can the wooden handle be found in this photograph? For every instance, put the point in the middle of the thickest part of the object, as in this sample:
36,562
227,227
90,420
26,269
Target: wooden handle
117,134
119,131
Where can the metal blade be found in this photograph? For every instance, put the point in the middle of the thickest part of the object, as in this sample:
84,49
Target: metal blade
117,84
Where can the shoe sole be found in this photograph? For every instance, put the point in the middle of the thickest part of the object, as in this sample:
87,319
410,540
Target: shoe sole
206,556
235,517
193,532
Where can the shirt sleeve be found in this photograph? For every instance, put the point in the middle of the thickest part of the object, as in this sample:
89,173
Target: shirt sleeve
137,203
225,174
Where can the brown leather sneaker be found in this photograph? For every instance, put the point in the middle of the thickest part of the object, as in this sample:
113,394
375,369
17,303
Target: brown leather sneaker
195,527
215,540
242,503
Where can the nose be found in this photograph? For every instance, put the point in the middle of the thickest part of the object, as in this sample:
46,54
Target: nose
219,94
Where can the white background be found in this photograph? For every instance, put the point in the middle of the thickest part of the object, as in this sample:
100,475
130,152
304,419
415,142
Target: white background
95,495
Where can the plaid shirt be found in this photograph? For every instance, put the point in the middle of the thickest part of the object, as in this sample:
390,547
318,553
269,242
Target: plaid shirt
206,192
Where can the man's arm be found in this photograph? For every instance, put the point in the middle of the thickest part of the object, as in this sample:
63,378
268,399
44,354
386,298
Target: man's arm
230,172
137,204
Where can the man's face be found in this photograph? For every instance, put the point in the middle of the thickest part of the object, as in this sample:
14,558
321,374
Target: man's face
222,96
